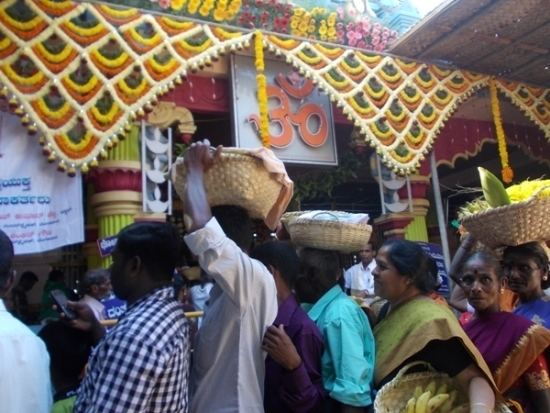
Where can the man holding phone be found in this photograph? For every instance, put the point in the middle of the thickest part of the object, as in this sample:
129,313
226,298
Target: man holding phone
142,364
24,360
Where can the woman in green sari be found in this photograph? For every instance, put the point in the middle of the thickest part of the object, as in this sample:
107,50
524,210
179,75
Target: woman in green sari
415,328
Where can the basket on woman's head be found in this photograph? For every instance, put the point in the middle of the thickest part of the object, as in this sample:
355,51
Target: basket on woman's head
253,179
514,224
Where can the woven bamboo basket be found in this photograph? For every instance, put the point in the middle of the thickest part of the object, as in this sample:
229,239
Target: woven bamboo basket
237,178
393,396
513,224
289,217
328,235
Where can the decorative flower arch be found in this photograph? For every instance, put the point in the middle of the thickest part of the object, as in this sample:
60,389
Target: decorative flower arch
79,74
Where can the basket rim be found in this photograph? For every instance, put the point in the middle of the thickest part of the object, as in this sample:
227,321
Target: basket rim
339,224
505,208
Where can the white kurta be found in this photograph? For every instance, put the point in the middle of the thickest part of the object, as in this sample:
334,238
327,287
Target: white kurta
24,368
228,362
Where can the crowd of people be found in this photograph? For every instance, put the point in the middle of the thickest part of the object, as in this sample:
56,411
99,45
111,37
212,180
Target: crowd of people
279,333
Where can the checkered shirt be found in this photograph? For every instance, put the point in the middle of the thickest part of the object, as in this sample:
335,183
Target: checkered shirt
142,364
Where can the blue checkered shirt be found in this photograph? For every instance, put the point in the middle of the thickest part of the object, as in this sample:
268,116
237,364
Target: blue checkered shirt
142,364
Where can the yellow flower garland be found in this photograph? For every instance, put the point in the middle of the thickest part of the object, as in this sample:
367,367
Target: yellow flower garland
85,31
54,58
25,81
310,60
82,89
5,42
137,91
507,171
194,48
150,41
105,118
111,63
162,67
261,82
57,114
118,13
20,25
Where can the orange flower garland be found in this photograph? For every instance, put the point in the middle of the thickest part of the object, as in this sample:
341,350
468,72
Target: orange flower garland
507,171
262,88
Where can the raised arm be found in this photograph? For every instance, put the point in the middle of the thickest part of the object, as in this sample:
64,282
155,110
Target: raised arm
198,159
236,273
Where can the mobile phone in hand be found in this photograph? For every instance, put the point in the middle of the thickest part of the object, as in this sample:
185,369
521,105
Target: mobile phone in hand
60,300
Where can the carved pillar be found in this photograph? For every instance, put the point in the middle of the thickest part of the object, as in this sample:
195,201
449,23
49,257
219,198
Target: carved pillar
117,185
157,155
393,225
417,230
90,250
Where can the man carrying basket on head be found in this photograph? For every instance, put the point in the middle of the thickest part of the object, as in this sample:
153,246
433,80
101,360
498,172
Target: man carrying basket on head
348,360
228,366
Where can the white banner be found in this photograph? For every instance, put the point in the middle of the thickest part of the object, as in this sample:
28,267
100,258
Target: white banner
40,208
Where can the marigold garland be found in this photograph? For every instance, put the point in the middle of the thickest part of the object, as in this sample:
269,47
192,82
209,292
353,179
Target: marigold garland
262,87
21,80
361,98
82,89
507,171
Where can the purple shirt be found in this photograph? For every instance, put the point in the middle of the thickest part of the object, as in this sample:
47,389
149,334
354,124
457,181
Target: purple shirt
300,390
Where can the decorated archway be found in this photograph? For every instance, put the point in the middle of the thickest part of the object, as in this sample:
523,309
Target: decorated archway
78,74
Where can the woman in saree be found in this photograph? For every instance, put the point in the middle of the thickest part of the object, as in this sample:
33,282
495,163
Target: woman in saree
514,347
416,328
526,269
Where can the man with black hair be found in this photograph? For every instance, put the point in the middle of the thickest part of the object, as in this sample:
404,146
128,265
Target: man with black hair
294,345
24,361
348,360
142,363
69,351
19,296
358,278
228,361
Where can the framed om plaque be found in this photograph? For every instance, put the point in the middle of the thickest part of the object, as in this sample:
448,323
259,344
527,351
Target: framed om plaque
301,126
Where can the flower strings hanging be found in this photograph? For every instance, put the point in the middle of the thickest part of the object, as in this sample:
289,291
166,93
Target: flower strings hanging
261,84
507,172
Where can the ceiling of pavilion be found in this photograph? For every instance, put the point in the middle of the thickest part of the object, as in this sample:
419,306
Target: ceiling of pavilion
506,38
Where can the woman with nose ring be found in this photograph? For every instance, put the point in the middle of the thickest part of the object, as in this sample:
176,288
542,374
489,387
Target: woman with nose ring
526,269
416,328
515,348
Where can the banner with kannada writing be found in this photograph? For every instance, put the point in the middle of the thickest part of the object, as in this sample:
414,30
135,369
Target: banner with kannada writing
40,208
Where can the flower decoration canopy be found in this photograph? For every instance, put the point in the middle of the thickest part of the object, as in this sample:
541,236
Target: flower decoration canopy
78,74
347,23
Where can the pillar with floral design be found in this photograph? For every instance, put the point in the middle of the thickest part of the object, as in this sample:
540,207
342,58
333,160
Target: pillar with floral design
417,229
117,188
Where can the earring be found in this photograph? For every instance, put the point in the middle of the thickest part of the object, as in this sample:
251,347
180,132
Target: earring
502,290
545,277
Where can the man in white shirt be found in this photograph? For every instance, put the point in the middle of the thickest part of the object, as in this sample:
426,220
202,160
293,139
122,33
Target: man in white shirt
358,278
228,361
24,361
96,286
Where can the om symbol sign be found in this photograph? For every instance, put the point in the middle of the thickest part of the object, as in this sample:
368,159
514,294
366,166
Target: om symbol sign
295,86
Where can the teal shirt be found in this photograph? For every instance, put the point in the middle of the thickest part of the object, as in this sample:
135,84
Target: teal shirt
348,360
